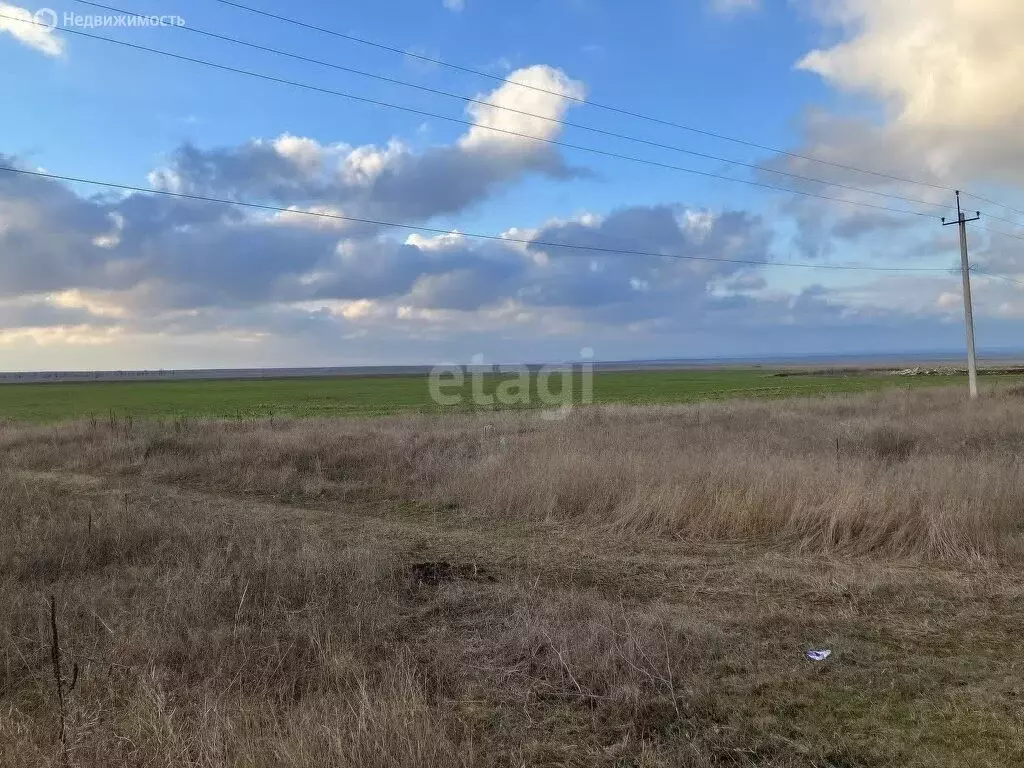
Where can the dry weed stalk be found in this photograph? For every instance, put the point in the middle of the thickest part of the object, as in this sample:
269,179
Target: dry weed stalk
58,675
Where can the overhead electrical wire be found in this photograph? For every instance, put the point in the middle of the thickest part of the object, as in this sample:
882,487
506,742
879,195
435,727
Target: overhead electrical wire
513,110
514,133
461,121
608,107
997,275
597,105
1004,234
998,205
470,235
1005,221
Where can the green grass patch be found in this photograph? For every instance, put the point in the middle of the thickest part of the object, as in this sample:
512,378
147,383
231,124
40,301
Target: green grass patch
381,395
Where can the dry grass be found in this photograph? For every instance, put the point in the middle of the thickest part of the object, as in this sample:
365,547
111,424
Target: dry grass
629,587
920,473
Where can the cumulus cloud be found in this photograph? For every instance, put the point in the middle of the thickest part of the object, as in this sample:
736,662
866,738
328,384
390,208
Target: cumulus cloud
108,273
140,264
946,74
864,222
924,91
613,280
35,312
538,90
998,254
391,181
937,64
732,7
26,28
122,271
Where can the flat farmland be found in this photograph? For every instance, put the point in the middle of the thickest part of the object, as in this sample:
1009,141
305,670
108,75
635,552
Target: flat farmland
382,395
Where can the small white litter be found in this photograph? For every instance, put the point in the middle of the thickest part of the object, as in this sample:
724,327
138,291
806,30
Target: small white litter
819,655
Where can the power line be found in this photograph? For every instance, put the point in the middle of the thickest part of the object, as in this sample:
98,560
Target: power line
997,275
597,105
554,120
471,235
999,205
611,108
998,218
1006,221
1008,279
1004,234
424,113
1003,277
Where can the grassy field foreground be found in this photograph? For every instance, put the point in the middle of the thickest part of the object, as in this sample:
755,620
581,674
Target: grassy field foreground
631,586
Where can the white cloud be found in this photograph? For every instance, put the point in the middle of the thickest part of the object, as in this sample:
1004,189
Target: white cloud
179,269
937,64
364,164
947,74
60,336
93,303
41,38
730,7
325,217
392,181
112,238
435,242
550,95
131,270
306,153
454,5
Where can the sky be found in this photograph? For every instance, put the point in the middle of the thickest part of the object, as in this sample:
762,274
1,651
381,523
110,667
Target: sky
683,264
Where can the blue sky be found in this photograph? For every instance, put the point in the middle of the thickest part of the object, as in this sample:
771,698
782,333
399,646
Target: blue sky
98,283
130,107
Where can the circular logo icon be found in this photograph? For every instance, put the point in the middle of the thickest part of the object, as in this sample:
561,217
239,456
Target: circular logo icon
47,17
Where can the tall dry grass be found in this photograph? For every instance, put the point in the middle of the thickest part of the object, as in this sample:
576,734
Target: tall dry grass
503,590
209,639
905,473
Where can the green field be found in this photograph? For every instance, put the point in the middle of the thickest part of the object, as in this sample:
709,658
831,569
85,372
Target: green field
378,395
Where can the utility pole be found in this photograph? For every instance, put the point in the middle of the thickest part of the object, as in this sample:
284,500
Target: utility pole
965,274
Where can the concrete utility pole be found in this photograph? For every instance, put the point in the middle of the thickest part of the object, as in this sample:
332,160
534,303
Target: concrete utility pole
965,274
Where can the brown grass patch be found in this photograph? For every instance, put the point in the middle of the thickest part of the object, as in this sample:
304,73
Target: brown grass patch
629,587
